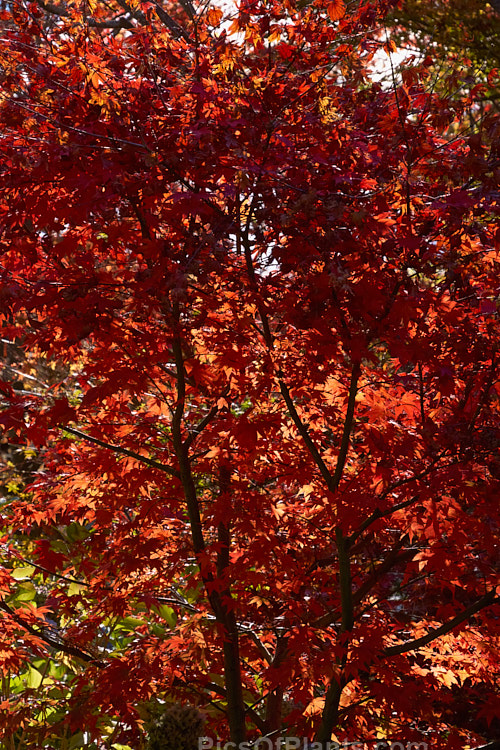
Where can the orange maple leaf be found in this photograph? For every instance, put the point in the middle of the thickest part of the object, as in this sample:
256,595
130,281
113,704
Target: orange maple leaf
336,10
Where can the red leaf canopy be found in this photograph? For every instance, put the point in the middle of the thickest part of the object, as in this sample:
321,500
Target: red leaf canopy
250,379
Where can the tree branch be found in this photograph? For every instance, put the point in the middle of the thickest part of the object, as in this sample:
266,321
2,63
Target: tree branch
332,480
124,452
348,424
118,22
198,429
59,645
274,699
394,557
330,715
377,514
304,432
403,648
168,21
223,612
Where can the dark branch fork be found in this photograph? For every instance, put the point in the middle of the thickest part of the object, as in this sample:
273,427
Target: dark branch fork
124,21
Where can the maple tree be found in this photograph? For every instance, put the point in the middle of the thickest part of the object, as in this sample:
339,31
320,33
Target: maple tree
250,396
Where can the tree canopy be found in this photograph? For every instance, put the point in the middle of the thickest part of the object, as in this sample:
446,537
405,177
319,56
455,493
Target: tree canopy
250,381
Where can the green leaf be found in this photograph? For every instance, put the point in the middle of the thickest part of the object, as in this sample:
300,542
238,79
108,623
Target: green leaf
77,532
157,629
78,740
168,614
75,588
130,623
25,593
23,572
34,678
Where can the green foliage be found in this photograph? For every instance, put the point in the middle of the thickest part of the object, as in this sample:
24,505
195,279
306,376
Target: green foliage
470,28
459,39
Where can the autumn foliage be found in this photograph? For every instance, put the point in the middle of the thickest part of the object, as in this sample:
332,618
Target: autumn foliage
250,389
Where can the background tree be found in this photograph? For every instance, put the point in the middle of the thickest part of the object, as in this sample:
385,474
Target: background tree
256,293
470,29
460,42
